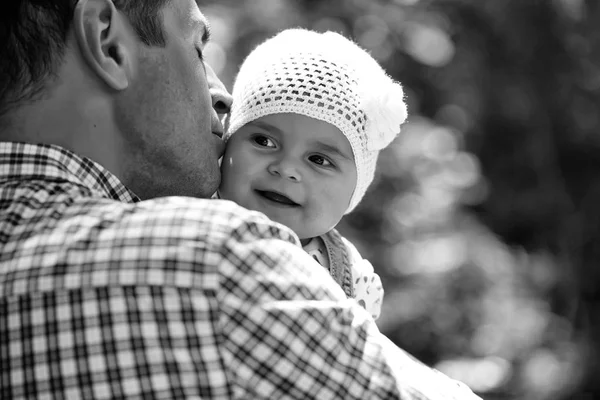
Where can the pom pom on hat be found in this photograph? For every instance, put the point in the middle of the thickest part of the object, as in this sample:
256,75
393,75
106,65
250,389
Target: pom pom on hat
327,77
384,115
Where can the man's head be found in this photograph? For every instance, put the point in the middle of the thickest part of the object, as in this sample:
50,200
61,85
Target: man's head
120,81
34,35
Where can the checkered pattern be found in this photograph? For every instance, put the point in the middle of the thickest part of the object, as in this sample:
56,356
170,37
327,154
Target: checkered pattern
106,297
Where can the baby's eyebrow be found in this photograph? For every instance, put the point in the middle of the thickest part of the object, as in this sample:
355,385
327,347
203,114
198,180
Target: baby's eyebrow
333,149
267,127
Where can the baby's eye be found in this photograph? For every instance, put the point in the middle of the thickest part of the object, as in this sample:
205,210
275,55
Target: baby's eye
263,141
320,160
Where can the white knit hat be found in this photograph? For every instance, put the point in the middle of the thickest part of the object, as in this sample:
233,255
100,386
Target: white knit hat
327,77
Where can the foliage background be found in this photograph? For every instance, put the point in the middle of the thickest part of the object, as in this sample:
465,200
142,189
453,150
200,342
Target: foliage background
483,220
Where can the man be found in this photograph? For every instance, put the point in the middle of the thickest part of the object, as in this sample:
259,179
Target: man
105,103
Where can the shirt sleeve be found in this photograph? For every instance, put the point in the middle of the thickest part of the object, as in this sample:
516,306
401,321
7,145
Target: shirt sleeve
290,333
368,290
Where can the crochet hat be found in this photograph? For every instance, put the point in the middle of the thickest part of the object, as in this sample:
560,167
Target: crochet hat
327,77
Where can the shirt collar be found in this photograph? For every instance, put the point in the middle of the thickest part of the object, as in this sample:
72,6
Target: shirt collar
24,161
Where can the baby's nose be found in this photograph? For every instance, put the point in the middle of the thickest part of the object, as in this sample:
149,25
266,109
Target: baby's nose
286,170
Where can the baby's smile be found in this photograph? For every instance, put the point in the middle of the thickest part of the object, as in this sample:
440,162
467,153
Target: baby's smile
277,198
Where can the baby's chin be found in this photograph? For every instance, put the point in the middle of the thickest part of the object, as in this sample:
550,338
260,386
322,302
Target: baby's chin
304,233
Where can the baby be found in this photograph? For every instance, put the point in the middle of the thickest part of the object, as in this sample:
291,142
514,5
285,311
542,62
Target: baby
311,113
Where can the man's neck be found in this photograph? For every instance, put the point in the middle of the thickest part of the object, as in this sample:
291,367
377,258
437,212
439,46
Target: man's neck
80,125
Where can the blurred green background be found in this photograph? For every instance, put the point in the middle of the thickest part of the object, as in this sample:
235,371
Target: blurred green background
483,219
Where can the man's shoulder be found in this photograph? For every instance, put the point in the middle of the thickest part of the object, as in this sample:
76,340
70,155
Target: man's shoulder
186,218
171,241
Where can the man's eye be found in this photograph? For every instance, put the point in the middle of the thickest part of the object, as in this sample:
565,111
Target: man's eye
321,161
263,141
200,54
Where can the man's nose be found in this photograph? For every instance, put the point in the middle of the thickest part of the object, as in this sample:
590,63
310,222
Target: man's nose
221,99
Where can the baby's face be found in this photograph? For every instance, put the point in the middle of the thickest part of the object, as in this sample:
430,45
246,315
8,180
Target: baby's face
297,170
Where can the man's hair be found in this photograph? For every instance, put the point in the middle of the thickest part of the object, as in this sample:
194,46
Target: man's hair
33,35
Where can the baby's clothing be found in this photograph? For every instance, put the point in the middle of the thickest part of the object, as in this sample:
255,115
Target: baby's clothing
354,274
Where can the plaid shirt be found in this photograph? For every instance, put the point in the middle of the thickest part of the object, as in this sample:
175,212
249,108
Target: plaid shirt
106,297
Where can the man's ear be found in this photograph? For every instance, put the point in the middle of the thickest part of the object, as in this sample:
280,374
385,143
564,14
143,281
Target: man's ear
106,40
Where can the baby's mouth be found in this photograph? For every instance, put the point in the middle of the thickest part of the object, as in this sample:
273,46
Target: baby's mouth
277,198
